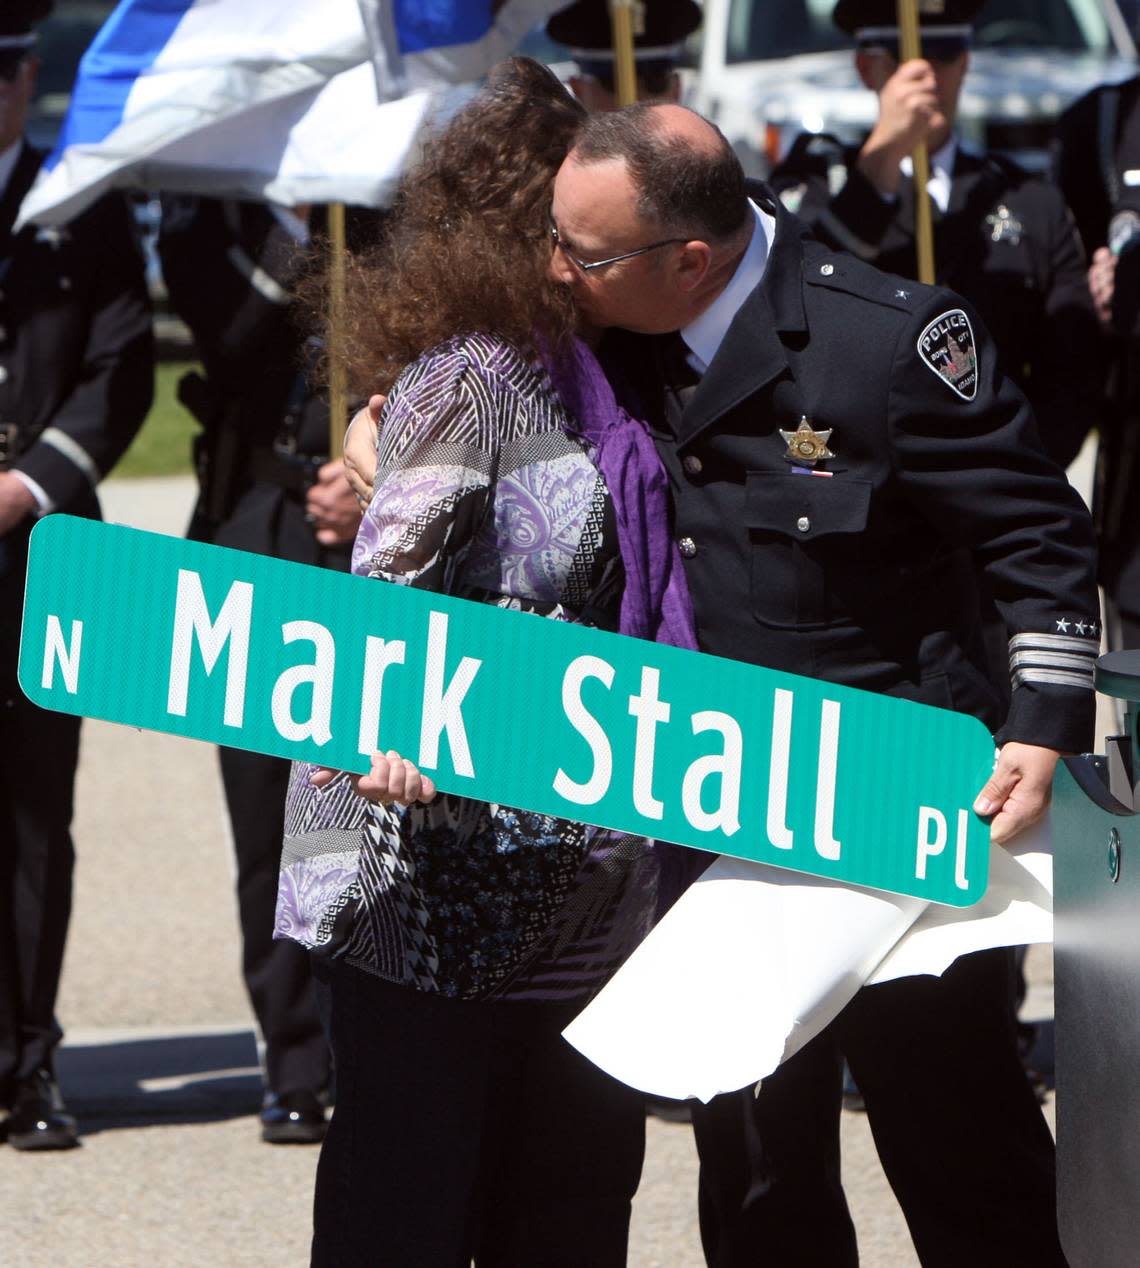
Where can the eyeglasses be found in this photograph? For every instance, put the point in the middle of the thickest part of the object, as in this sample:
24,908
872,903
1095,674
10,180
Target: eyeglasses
587,265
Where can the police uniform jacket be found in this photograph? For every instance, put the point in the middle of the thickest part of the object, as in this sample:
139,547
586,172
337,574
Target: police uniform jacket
231,269
1006,242
864,575
76,347
228,268
1097,163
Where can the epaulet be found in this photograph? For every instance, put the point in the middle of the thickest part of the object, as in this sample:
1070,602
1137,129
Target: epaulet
840,272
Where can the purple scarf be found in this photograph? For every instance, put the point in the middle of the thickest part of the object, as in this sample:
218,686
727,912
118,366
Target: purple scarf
655,603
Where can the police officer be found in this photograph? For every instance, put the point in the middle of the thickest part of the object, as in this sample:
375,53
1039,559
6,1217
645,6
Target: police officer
660,29
267,486
1002,238
844,453
1098,168
76,378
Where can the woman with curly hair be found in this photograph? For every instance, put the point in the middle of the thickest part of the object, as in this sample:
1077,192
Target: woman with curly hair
458,938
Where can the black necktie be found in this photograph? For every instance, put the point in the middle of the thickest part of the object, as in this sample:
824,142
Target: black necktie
677,374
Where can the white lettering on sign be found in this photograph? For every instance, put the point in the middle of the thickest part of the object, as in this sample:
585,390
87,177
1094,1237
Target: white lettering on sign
779,769
960,858
443,709
68,656
727,764
378,655
319,674
192,621
931,846
826,846
779,833
649,710
588,727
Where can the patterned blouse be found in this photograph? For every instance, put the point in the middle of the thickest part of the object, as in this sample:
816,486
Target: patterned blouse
484,491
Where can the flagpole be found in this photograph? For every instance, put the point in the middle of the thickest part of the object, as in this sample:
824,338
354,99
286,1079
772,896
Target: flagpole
625,71
338,392
910,47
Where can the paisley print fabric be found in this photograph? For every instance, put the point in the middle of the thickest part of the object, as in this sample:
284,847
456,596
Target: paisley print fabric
483,490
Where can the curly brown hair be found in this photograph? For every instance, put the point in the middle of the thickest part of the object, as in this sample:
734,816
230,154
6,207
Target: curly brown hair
466,247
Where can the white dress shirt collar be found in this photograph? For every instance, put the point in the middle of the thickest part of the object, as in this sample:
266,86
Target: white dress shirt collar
704,336
941,172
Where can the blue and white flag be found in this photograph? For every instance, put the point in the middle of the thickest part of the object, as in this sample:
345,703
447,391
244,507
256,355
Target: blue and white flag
292,101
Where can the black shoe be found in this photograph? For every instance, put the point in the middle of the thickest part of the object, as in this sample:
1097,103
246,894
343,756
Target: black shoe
39,1118
294,1118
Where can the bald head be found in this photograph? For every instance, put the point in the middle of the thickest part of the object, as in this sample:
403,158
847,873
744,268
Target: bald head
686,127
686,177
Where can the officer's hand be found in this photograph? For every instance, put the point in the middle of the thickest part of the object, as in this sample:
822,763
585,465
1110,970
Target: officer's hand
1102,283
907,105
360,449
392,779
16,501
331,508
1018,791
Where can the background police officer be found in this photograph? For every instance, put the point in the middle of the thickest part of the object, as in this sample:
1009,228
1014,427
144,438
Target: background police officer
663,28
76,377
267,486
1097,164
1002,238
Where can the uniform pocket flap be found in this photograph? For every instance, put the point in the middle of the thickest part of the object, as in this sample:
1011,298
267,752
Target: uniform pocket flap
806,506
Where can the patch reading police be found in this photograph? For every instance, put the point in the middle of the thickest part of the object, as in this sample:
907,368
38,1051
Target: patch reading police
947,347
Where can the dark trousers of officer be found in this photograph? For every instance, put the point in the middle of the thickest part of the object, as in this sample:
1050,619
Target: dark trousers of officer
956,1124
277,973
270,521
469,1130
39,752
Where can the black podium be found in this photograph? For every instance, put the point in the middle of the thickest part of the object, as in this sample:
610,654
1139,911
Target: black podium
1096,836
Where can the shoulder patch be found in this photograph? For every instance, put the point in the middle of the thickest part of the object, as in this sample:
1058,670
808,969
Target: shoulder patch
946,347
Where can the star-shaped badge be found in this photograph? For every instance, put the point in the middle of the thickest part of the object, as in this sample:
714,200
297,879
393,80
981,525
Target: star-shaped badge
1004,226
805,444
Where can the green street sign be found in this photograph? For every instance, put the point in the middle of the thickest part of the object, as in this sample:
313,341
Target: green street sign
301,662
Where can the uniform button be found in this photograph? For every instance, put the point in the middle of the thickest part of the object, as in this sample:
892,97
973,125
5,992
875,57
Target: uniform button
827,269
687,547
803,523
65,283
3,374
690,462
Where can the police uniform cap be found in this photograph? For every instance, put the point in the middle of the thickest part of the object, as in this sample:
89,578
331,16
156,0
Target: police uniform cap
853,16
18,17
585,27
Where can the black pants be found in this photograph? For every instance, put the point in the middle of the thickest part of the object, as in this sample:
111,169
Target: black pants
958,1130
277,974
37,773
467,1130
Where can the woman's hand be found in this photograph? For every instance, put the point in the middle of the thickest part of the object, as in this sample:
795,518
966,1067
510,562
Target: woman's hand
360,449
392,779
